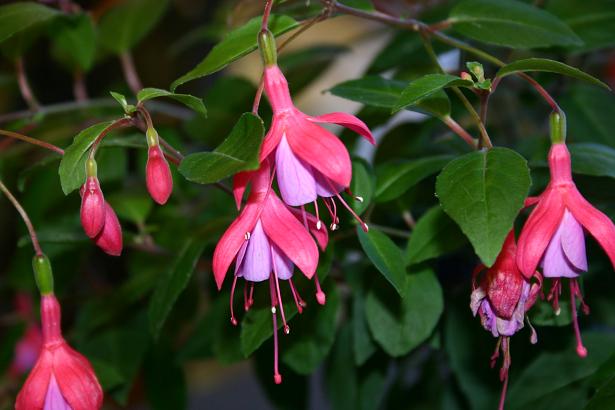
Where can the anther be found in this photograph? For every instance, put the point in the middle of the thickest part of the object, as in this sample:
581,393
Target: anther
273,310
247,236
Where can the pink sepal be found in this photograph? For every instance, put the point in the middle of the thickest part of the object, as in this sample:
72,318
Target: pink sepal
346,120
321,235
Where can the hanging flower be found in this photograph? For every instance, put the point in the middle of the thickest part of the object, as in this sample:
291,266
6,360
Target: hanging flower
110,238
62,378
92,207
553,234
266,242
158,176
310,161
501,298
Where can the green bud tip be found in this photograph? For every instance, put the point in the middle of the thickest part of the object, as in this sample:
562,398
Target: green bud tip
91,169
557,122
267,46
43,274
152,137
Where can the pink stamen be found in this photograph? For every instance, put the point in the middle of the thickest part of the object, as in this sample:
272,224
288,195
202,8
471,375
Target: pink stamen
298,301
318,222
331,214
277,377
279,294
233,320
503,394
494,357
577,292
353,213
251,298
321,298
581,350
556,290
246,300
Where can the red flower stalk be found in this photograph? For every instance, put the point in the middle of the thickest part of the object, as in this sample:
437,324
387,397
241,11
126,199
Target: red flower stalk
553,234
501,298
266,241
62,378
158,175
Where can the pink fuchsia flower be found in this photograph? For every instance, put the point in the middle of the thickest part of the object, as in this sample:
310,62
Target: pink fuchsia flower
501,298
62,378
92,207
110,238
158,176
266,242
310,161
553,234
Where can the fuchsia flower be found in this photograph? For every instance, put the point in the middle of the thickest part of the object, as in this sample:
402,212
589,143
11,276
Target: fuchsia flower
266,241
109,237
501,298
62,378
310,161
92,207
553,234
158,175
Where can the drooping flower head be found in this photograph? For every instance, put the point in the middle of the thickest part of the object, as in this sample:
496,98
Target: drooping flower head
501,297
310,161
158,176
553,234
266,242
62,378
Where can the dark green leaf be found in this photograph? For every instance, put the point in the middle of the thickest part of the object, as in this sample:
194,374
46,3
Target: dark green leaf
171,286
190,101
604,397
235,45
395,178
483,192
362,184
593,159
551,66
125,25
385,256
341,375
362,342
238,152
511,24
75,40
19,16
164,379
312,338
589,111
72,166
434,234
426,86
400,325
381,92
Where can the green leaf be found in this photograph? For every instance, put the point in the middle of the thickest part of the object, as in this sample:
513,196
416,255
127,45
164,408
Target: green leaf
125,25
311,340
238,152
385,256
593,159
74,40
384,93
257,327
362,184
589,111
72,167
395,178
426,86
165,382
235,45
171,286
190,101
551,66
363,345
434,234
400,325
483,192
120,98
604,397
511,24
17,17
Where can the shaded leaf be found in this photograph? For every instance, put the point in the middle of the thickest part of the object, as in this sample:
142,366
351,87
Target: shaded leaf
74,40
593,159
362,184
17,17
190,101
385,256
426,86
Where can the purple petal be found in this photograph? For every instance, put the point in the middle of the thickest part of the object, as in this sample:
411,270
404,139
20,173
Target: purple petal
325,187
487,318
54,399
476,298
555,264
256,263
573,241
295,177
282,265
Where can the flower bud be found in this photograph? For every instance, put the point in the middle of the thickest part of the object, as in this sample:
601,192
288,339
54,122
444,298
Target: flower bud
110,238
158,175
92,207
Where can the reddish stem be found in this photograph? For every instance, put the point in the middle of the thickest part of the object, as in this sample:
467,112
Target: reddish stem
80,90
130,73
460,131
24,86
122,122
32,141
25,217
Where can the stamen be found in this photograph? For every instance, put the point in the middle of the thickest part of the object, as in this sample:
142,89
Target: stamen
533,335
247,303
298,301
353,213
251,298
321,298
581,350
233,320
247,236
577,292
331,214
506,361
279,294
494,357
277,377
318,221
503,394
556,290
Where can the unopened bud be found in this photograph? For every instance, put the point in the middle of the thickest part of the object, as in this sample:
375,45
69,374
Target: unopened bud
110,238
158,176
92,207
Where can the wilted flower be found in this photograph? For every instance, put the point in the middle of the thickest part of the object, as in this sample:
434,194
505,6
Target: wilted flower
62,378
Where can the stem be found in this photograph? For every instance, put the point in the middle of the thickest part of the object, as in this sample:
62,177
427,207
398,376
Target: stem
32,141
122,122
258,96
266,14
25,217
24,86
130,73
459,130
79,87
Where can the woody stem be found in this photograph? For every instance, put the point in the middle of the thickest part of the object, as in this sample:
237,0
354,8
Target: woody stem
25,217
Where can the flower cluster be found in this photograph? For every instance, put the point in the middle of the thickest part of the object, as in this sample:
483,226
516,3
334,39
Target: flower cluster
271,235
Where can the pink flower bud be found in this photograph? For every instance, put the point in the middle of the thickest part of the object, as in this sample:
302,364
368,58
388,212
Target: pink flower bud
92,207
158,175
110,238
